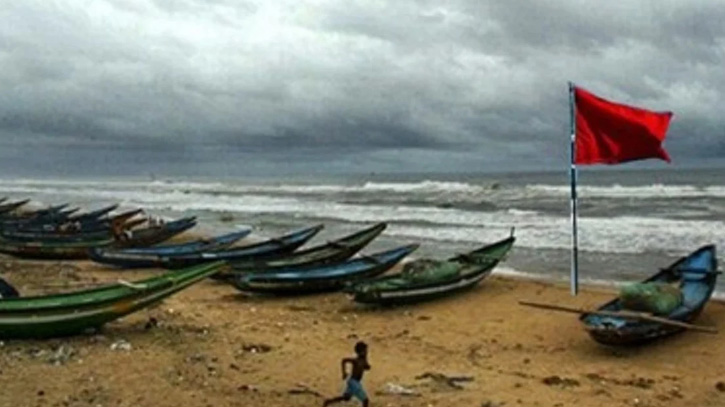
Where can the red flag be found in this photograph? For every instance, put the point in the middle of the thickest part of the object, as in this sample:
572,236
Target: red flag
613,133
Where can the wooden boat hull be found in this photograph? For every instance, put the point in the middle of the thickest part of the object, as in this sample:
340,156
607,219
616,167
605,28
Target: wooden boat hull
156,234
8,207
266,249
697,276
49,251
80,312
74,250
329,253
210,244
330,277
394,289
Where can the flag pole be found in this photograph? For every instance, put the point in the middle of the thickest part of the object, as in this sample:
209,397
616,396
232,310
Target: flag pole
574,278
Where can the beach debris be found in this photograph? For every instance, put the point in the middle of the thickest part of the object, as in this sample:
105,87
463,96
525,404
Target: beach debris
61,355
560,381
121,344
256,348
151,323
640,382
98,339
196,358
602,392
720,386
248,387
474,354
301,388
453,382
676,392
300,308
489,403
399,390
402,333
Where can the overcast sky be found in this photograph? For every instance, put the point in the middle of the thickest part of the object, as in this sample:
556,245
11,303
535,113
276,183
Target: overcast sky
201,87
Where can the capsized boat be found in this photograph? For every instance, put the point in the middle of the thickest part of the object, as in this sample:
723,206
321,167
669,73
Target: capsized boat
695,274
426,279
87,310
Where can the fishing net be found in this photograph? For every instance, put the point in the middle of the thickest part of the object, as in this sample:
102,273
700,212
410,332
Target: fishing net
416,272
427,270
657,298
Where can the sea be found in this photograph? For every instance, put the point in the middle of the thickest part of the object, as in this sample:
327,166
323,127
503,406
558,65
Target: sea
630,222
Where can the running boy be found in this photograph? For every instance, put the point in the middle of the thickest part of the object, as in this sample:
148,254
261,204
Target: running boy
353,387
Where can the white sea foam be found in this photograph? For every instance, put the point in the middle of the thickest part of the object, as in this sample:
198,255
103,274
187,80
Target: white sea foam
624,234
620,191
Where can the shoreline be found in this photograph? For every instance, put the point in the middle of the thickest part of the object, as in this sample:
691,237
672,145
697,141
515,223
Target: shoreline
211,345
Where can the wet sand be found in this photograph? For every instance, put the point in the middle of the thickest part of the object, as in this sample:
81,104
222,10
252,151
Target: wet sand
213,346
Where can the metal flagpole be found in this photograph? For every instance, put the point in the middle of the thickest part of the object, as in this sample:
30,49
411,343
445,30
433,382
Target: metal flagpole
574,279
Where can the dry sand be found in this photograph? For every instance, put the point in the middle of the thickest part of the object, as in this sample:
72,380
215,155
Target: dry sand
213,346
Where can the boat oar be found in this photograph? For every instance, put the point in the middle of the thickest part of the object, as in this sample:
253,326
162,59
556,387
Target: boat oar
622,314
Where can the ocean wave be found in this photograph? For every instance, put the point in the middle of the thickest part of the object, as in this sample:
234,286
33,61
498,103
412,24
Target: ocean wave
620,191
458,222
616,235
425,186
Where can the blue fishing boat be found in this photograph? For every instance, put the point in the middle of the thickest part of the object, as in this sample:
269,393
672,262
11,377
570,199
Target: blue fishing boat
330,277
696,275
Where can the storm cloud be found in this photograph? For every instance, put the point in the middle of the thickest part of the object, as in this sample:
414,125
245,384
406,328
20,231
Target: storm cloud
137,86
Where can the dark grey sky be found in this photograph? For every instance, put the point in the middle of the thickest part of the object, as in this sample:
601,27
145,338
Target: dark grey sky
203,87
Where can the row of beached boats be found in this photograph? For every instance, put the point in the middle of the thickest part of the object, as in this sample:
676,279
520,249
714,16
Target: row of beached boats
281,266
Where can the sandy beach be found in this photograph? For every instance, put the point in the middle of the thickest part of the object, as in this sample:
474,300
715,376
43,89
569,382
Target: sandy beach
213,346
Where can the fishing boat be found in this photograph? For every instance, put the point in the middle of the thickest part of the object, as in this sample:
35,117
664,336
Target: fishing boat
71,249
266,249
137,256
52,250
331,252
84,311
7,207
93,215
424,279
329,277
197,245
154,234
72,230
695,274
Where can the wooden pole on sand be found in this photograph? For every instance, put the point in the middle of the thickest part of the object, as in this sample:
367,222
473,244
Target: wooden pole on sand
622,314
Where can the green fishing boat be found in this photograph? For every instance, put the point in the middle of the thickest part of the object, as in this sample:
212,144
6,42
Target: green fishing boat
87,310
427,279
